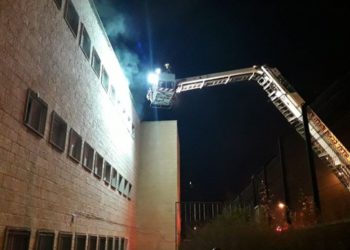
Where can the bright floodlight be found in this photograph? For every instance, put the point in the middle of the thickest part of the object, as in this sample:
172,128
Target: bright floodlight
153,78
158,71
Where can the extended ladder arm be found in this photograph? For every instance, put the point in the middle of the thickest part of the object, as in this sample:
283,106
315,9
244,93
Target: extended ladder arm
325,144
210,80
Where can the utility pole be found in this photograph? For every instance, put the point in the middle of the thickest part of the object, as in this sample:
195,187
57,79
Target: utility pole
284,180
311,163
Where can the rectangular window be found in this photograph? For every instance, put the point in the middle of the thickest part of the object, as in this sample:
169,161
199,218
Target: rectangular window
125,244
88,156
122,244
110,243
58,132
17,239
58,3
126,188
80,241
114,179
116,243
129,191
120,184
102,243
35,113
96,63
75,144
45,240
107,173
72,18
105,79
64,241
98,166
92,243
85,42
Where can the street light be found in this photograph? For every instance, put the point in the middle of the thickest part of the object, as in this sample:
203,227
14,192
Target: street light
284,209
281,205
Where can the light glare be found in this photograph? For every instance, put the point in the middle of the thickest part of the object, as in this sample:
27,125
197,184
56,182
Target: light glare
158,71
281,205
153,78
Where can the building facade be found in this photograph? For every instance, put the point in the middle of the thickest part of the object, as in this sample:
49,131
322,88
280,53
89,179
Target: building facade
70,148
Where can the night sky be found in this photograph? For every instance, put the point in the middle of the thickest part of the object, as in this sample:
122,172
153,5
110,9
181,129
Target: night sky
228,133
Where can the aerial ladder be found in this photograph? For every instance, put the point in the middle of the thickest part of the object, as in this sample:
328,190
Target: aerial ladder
325,144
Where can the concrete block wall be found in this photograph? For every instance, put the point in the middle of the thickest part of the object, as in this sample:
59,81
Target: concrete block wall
158,186
40,187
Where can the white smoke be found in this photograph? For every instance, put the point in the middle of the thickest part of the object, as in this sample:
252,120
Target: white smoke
120,35
113,21
124,38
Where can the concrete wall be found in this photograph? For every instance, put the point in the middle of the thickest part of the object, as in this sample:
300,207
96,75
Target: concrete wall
40,187
158,185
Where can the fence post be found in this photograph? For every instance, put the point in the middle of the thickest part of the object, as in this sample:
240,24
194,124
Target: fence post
311,163
284,180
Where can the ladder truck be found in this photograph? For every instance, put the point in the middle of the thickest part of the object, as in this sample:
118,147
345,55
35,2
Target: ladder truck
164,88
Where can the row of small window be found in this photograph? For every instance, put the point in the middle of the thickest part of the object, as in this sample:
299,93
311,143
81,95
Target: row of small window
35,119
19,239
72,19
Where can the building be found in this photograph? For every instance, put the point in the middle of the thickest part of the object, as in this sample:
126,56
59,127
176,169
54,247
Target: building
78,170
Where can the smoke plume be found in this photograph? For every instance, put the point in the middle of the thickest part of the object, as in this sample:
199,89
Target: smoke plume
122,37
126,41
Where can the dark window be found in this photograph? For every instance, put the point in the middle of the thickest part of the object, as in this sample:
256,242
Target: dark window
122,244
88,156
72,18
110,243
85,42
98,166
120,184
116,243
58,3
17,239
92,243
64,241
107,172
80,241
102,243
75,144
129,191
58,131
35,114
96,63
45,241
114,178
105,79
126,188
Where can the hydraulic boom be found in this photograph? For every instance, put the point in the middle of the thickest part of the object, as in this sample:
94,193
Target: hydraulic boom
324,143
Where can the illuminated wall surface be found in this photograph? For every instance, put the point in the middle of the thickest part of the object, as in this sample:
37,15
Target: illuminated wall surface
158,185
68,131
